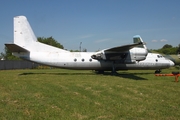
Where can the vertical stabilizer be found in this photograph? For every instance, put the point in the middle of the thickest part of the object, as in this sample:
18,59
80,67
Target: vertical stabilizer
138,39
23,34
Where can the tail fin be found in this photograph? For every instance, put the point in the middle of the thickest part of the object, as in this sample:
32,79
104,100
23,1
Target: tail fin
138,39
25,38
23,34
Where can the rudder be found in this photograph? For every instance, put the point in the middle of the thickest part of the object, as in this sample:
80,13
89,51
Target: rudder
23,34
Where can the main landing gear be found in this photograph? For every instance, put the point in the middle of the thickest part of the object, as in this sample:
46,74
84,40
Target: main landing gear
157,71
99,71
113,72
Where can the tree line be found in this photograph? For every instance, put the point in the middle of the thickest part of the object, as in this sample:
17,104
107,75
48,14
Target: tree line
168,49
7,54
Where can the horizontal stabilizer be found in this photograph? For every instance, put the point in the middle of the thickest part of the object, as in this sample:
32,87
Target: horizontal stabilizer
15,48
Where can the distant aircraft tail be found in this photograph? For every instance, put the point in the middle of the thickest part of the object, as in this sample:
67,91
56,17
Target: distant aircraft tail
138,39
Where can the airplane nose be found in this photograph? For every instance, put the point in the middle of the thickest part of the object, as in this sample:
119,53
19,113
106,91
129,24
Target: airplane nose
171,63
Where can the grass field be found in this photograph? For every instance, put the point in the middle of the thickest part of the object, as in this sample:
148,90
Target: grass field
70,94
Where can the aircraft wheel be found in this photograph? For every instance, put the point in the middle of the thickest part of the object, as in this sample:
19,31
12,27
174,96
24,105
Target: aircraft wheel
157,71
99,71
175,73
114,73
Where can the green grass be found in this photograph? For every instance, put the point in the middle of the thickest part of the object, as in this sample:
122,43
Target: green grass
70,94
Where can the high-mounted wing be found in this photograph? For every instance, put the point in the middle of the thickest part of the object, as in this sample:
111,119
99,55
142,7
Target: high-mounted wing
126,53
123,48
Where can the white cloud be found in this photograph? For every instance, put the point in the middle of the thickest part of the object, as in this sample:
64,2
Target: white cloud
163,40
154,40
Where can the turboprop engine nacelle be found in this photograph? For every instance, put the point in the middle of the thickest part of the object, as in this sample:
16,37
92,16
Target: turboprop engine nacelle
99,56
131,56
138,54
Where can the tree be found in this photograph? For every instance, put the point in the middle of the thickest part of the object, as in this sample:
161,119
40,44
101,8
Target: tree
178,51
84,50
50,41
7,55
74,51
167,46
168,49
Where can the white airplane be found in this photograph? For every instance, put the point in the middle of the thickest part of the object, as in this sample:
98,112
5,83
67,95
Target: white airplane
132,56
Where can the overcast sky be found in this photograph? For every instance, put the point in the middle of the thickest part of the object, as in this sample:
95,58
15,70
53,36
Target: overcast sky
98,24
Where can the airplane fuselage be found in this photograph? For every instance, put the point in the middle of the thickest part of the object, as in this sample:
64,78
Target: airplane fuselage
83,61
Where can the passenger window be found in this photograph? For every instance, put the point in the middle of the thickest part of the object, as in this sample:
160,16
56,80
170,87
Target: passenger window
83,60
90,60
75,60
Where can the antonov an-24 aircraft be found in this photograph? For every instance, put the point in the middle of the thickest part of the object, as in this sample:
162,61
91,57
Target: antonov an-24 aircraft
132,56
